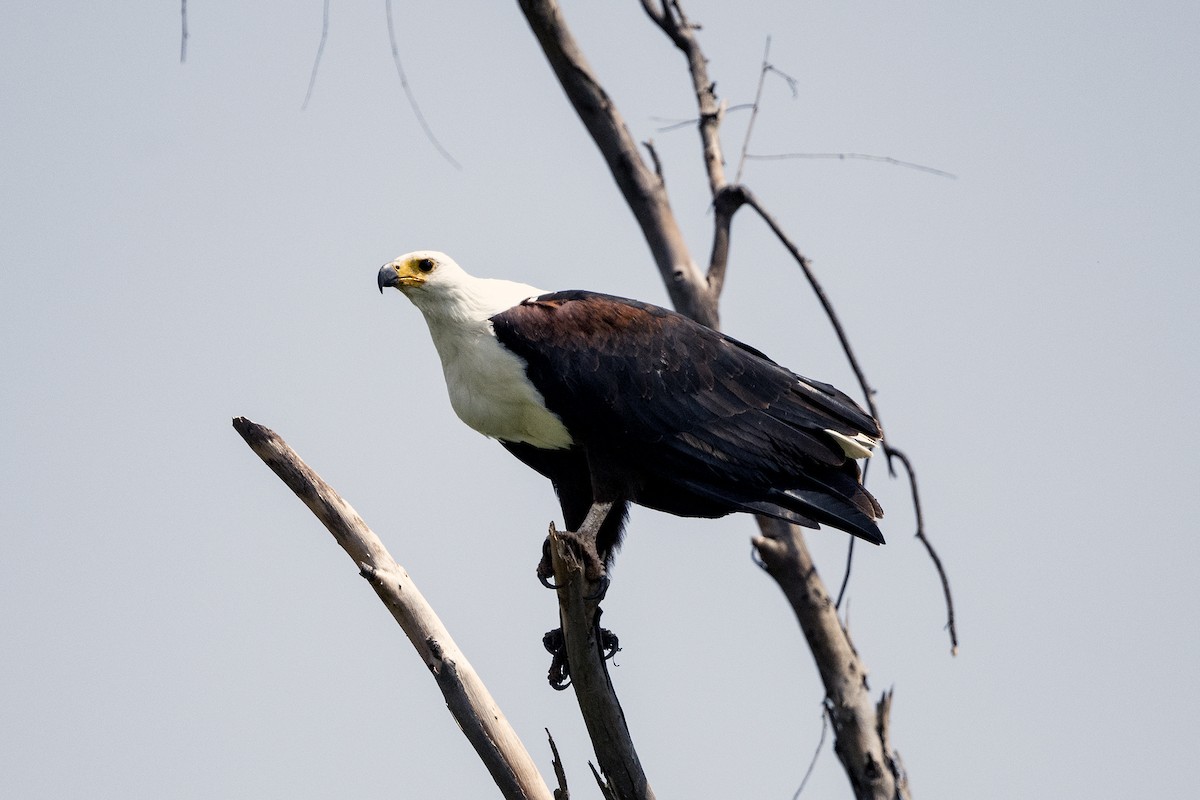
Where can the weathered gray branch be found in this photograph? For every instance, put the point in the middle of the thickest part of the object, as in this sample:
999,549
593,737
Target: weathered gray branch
640,185
477,714
859,727
669,16
619,763
726,203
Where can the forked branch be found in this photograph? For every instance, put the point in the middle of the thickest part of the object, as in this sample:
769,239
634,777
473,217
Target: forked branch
640,185
669,16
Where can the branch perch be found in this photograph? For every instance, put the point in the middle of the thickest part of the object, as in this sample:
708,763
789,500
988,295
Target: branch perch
619,763
481,720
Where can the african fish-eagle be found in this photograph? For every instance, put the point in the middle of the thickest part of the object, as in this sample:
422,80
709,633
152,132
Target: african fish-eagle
618,401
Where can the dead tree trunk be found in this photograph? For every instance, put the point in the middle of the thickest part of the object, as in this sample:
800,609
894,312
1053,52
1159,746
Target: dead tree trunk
860,727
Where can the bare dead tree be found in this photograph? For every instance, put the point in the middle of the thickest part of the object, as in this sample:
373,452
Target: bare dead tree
860,725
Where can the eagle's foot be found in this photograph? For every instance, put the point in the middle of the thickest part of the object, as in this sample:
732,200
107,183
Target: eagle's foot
583,547
610,645
559,674
545,568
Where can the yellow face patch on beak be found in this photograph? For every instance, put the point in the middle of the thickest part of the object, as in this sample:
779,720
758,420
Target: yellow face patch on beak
406,273
414,271
406,277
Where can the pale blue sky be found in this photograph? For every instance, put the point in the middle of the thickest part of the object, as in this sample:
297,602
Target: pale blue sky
185,245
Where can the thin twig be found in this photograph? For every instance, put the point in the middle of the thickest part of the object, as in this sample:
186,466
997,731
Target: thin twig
676,124
806,268
560,775
869,397
816,754
606,789
312,79
791,82
846,576
842,156
767,67
183,34
658,168
728,200
762,78
412,100
920,534
883,724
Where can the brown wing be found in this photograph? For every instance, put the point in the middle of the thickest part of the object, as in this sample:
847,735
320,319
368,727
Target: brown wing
697,415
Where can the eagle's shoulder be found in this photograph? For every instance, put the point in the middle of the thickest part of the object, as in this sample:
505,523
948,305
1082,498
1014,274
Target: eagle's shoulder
581,320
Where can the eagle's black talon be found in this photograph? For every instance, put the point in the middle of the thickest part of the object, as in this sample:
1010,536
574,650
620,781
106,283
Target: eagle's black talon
610,645
553,641
545,569
559,674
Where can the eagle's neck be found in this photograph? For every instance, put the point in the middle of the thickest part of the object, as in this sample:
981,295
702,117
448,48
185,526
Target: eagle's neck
469,300
487,384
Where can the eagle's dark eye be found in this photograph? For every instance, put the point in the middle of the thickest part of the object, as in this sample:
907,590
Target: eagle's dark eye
425,265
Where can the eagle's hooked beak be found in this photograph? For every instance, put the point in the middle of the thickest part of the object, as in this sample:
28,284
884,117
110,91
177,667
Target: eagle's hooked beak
388,276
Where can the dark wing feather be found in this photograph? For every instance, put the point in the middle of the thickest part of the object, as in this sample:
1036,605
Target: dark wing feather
699,423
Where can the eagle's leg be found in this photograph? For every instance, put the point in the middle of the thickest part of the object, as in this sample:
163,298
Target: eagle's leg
594,564
585,538
595,518
593,536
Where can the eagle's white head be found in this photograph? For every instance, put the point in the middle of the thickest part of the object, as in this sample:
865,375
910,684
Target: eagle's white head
487,384
444,291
